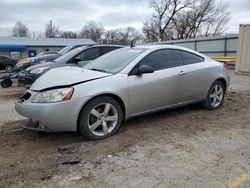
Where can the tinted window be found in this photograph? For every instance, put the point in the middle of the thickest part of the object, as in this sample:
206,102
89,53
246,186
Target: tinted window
163,59
89,54
189,58
68,56
108,49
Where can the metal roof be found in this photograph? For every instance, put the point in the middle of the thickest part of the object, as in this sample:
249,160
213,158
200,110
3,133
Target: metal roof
27,41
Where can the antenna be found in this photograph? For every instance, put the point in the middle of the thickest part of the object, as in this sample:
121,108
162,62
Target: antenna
132,44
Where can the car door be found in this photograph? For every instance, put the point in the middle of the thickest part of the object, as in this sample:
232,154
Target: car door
5,61
197,75
164,87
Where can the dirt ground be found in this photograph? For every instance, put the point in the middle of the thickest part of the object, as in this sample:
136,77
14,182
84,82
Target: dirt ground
183,147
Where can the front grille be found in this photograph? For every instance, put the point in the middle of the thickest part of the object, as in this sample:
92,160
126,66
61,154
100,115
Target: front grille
25,97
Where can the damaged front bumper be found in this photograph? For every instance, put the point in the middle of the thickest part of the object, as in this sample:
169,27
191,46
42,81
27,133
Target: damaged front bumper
35,125
50,117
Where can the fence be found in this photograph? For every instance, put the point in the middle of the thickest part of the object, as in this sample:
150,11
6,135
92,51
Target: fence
223,46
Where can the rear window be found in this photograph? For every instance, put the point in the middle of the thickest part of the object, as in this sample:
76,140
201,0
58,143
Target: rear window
190,58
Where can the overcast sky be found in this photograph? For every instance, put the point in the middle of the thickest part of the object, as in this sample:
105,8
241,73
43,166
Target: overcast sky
71,15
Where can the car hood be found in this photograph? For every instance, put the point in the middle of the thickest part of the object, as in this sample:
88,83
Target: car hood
48,57
47,64
24,64
66,76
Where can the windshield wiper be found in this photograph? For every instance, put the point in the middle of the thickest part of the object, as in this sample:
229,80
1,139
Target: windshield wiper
100,70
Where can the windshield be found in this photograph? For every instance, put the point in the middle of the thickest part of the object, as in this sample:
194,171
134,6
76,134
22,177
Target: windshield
65,50
66,57
115,61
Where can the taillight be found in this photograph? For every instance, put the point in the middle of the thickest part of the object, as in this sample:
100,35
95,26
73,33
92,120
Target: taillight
226,66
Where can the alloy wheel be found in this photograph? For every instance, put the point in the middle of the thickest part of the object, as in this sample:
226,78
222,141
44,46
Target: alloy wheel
216,95
102,119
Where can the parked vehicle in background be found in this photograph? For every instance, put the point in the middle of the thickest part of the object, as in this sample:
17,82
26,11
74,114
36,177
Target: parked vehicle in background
76,57
40,58
43,57
7,63
122,84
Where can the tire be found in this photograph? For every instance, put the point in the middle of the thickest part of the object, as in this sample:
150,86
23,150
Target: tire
6,83
9,68
95,123
215,97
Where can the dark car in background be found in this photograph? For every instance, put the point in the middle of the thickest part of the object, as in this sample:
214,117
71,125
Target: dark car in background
7,63
43,57
77,57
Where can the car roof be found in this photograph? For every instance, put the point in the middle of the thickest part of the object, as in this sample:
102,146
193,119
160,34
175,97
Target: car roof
105,45
99,45
158,47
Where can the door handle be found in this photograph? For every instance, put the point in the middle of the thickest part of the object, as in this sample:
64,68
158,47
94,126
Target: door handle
181,73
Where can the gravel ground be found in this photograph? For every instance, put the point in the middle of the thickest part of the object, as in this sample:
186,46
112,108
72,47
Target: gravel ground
183,147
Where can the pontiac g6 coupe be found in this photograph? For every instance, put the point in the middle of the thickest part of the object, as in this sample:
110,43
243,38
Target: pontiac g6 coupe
128,82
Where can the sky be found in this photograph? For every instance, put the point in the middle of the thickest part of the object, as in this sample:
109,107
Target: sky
72,15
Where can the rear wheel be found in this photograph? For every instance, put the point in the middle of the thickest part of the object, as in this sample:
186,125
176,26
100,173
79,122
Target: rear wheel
215,96
100,118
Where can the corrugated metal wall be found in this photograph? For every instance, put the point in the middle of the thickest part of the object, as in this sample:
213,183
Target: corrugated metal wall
210,46
243,60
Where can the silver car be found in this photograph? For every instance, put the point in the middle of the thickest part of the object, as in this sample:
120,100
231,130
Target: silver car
122,84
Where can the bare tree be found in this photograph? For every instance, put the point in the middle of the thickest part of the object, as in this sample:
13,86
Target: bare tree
20,30
51,31
218,21
204,18
128,35
179,19
164,12
150,31
122,36
92,30
111,37
67,34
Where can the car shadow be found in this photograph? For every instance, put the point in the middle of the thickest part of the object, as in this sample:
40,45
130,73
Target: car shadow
133,126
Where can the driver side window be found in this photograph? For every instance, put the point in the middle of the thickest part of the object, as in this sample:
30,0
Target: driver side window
163,59
89,54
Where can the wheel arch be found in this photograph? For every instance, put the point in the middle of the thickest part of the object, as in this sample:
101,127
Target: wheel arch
114,96
222,80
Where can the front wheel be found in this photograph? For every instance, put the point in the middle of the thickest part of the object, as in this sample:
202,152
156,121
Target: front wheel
6,83
215,96
100,118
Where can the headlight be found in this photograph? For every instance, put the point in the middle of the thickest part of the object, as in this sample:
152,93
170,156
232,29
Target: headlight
55,95
18,65
39,70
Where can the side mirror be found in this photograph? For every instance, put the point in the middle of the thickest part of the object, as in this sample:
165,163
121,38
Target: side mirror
77,60
143,69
